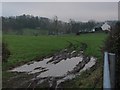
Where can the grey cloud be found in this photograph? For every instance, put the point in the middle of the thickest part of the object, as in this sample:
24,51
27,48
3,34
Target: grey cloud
77,10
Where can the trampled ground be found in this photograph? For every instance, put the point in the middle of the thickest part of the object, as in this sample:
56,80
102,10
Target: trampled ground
27,48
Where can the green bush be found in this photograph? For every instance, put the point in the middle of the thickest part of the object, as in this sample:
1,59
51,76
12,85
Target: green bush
112,44
5,52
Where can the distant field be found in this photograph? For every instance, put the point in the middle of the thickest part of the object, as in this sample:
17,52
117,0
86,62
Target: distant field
34,31
27,31
25,48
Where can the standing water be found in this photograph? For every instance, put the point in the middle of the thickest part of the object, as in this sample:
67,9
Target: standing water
50,69
61,71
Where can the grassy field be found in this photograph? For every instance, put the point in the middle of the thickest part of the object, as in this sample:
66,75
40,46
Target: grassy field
26,48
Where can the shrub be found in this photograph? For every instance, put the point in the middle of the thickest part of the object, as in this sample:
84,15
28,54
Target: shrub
112,44
5,52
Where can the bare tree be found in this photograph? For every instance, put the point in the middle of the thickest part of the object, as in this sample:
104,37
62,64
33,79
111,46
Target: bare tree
71,22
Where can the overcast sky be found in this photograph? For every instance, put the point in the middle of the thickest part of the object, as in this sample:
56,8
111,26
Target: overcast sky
79,11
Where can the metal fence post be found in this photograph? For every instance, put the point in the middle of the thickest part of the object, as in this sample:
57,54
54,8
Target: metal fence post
112,69
106,77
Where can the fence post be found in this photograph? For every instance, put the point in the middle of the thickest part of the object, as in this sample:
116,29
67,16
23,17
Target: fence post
106,77
112,69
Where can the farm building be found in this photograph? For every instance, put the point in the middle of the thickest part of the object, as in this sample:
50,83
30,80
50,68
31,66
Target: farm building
102,27
106,26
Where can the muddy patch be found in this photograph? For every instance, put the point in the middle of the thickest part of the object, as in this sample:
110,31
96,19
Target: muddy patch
51,72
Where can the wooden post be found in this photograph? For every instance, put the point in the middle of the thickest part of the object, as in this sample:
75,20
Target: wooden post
112,69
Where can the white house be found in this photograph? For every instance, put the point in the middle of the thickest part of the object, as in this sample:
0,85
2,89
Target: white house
105,26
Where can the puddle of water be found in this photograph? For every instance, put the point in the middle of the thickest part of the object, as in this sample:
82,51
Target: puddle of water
61,68
89,64
50,69
71,76
73,52
31,68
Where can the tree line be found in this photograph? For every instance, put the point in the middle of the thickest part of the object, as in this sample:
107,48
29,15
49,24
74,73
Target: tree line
54,26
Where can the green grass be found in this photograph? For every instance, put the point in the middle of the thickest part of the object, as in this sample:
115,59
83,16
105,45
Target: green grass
26,48
0,36
33,31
